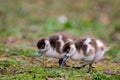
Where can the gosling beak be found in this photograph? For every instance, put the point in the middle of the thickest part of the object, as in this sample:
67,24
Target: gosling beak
64,60
40,53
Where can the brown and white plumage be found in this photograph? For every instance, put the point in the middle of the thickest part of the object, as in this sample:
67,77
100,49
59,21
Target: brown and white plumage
52,46
87,49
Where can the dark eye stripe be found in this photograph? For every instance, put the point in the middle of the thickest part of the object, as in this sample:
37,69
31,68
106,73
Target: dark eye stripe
42,46
40,43
67,50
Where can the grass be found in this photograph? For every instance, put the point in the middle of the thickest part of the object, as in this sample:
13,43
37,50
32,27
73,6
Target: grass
25,64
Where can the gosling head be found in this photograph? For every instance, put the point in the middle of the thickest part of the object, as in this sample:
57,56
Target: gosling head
69,50
43,45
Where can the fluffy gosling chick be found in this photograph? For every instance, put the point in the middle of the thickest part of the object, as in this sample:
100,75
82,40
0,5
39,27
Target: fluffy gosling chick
52,47
87,49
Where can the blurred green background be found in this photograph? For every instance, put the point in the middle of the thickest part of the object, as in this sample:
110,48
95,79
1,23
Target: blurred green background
31,19
24,22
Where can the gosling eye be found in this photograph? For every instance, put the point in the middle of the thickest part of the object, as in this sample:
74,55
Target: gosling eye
42,46
67,51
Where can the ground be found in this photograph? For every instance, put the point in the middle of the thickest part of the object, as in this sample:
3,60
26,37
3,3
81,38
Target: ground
23,23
